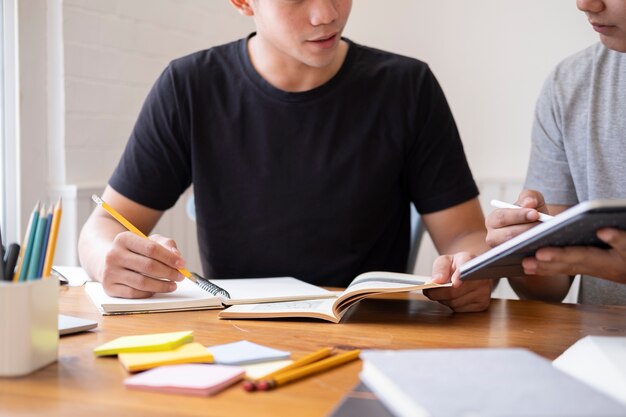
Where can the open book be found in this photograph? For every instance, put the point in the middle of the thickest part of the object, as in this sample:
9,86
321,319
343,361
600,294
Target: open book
333,309
189,296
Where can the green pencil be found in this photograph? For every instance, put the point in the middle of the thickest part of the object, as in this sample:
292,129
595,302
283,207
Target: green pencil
33,264
27,245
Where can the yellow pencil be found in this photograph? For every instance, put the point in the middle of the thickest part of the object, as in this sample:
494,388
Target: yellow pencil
305,360
197,279
283,378
52,239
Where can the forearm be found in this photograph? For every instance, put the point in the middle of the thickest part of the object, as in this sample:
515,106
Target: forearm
471,241
539,287
96,239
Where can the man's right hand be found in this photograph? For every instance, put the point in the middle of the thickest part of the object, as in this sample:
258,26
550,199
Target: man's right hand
135,267
504,224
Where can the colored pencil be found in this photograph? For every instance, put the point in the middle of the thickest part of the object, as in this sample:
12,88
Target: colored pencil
283,378
33,265
44,243
27,248
305,360
52,240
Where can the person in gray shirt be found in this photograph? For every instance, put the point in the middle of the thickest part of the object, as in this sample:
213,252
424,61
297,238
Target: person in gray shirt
578,154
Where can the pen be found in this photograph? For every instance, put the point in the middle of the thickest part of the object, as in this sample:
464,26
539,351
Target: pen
283,378
12,253
501,204
195,278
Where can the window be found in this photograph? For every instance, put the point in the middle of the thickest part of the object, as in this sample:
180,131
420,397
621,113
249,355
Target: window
8,144
3,197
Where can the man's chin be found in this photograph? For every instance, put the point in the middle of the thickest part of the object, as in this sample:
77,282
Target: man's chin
617,45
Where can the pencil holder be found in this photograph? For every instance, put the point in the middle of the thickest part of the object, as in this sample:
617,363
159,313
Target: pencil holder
29,335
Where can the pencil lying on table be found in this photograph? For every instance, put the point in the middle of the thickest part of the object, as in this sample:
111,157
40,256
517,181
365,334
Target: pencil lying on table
305,360
282,378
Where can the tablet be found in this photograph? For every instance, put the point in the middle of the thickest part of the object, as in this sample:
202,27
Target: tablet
575,226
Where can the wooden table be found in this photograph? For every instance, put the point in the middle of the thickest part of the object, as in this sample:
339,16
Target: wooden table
80,384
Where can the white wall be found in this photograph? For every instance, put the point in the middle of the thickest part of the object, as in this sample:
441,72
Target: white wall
491,57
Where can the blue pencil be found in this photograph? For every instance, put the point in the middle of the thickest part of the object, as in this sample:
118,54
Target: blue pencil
27,246
45,243
33,265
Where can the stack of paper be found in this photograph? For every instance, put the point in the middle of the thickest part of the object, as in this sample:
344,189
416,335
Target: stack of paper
189,353
244,352
191,379
144,343
170,362
138,353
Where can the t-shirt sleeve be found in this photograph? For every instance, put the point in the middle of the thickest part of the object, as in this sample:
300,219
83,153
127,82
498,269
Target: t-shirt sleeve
548,169
438,173
154,169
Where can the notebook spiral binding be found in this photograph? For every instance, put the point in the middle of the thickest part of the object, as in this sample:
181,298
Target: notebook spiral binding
208,286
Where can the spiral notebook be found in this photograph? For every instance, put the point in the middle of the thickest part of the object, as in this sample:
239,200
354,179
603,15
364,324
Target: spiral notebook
188,296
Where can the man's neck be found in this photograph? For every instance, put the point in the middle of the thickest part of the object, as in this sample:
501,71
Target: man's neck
291,75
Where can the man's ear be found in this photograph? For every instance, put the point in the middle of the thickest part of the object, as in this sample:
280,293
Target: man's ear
243,6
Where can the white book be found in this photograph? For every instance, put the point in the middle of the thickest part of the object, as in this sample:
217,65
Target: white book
599,361
333,309
189,296
479,382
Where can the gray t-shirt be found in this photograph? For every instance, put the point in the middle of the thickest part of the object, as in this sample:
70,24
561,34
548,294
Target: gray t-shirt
579,142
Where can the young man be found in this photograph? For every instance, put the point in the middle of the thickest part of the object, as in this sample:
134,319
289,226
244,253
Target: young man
304,150
578,154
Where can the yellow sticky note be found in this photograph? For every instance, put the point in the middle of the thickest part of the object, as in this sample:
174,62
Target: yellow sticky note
144,343
189,353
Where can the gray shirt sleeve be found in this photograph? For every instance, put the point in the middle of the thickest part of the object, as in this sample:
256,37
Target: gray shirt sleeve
549,169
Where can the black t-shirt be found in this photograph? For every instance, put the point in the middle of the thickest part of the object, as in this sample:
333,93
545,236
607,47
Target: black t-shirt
315,184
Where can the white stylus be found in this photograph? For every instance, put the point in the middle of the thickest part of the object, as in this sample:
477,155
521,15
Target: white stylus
501,204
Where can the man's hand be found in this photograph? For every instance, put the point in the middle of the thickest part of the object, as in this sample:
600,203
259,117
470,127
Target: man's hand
605,263
462,297
135,267
505,224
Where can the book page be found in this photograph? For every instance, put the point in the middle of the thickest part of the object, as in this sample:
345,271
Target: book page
316,308
257,290
376,277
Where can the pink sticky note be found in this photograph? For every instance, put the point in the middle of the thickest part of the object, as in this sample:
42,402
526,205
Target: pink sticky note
194,379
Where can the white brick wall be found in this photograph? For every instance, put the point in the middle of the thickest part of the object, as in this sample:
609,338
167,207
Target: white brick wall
109,53
113,52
